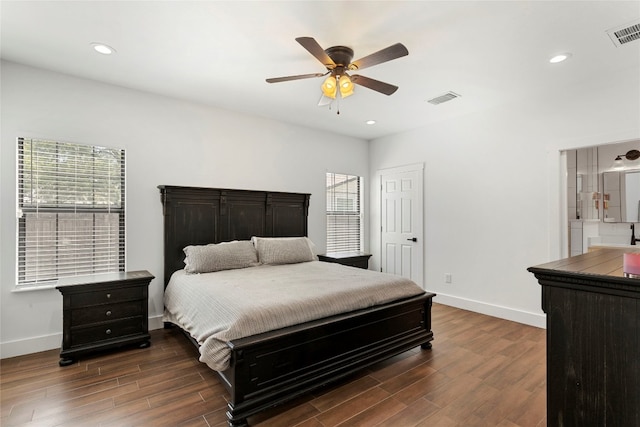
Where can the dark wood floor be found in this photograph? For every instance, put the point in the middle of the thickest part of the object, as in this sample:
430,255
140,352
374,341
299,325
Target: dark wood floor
482,371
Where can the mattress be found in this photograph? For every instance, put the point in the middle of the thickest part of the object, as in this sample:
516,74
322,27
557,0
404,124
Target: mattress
215,308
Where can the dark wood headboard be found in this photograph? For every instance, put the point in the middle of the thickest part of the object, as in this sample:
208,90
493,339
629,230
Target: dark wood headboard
198,216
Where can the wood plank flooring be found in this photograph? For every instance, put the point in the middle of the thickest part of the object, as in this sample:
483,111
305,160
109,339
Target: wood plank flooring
482,371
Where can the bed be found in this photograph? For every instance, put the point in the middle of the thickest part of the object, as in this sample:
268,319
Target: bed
271,367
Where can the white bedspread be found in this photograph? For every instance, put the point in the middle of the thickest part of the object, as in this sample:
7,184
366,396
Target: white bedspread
218,307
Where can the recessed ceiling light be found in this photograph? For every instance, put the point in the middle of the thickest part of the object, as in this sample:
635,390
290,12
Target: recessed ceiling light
370,122
103,48
560,57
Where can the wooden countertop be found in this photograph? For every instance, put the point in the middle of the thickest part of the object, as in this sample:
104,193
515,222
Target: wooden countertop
597,271
600,261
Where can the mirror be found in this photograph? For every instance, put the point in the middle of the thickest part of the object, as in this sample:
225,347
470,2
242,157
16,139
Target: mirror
621,196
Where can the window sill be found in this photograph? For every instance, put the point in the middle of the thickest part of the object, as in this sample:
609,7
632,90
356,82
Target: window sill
22,289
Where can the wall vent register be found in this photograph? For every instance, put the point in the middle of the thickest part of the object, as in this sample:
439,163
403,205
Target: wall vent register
625,33
449,96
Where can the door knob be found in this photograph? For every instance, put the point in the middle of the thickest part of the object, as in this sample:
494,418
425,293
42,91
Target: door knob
413,239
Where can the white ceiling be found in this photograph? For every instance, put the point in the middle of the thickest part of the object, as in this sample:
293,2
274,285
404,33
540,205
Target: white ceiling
493,53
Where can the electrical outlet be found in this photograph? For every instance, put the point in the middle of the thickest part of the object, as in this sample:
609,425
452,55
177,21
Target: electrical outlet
447,278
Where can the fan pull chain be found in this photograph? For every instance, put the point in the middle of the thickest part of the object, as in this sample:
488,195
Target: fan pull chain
338,95
337,103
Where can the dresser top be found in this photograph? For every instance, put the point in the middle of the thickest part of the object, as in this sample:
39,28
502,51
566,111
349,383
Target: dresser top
94,279
601,261
599,271
345,255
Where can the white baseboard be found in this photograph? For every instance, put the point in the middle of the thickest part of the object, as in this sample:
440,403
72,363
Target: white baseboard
50,342
538,320
155,322
30,345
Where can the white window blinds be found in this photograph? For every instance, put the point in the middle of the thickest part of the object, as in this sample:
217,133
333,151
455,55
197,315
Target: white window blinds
71,217
344,228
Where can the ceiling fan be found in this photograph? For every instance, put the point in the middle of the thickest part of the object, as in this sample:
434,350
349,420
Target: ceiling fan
337,60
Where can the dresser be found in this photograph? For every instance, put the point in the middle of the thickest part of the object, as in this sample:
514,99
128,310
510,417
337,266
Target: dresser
593,340
104,311
353,259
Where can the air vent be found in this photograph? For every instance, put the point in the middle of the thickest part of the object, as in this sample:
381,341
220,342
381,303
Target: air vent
625,34
443,98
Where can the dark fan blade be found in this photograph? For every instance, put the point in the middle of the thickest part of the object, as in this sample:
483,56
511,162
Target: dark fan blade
299,77
376,85
316,50
387,54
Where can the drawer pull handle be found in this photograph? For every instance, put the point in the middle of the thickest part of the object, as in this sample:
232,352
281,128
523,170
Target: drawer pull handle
108,331
108,295
108,313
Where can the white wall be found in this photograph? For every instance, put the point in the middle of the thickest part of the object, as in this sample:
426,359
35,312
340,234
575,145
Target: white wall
167,141
492,204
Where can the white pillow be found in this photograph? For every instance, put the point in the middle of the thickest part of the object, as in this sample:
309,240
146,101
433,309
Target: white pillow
284,250
221,256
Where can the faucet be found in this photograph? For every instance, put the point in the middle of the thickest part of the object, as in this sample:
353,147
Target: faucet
633,234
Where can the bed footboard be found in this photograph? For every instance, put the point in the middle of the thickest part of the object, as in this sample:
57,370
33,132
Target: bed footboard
272,368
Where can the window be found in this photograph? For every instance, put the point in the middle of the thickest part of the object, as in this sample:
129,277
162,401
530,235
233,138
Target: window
71,210
344,225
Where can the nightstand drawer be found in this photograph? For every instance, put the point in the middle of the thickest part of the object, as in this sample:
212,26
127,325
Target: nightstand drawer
83,299
107,331
106,312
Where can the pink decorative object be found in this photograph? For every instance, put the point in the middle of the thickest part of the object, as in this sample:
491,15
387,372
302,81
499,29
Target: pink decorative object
631,265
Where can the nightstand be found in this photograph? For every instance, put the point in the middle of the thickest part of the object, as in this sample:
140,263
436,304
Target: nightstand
353,259
104,311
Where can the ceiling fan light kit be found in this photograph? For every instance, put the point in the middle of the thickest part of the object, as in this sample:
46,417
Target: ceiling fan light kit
331,84
346,86
337,61
329,87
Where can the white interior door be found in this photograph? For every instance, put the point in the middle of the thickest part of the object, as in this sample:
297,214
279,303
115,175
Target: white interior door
402,222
